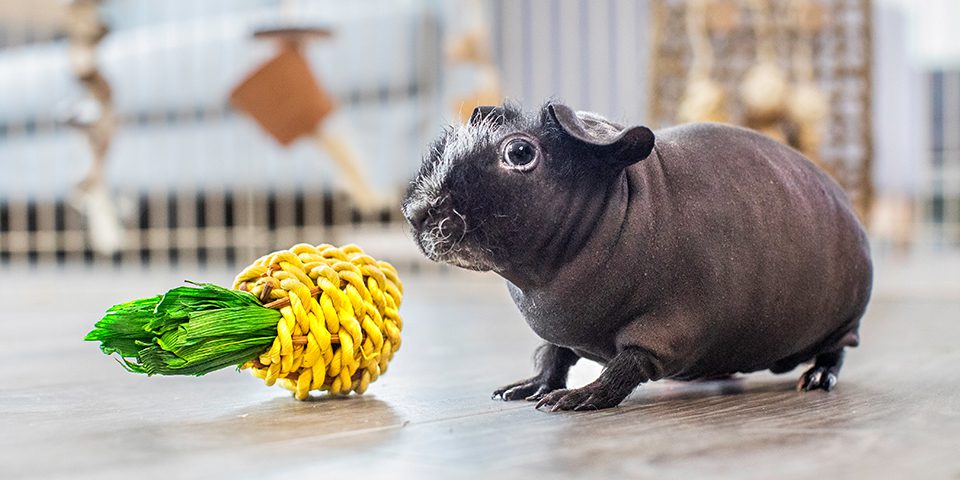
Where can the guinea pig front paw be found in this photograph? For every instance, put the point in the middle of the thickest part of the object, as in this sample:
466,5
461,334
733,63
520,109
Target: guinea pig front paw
590,397
530,389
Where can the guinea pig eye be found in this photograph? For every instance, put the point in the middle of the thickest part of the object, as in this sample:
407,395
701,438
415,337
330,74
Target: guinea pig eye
520,153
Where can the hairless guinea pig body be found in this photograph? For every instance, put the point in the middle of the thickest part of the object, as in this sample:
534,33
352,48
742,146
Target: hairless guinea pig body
700,252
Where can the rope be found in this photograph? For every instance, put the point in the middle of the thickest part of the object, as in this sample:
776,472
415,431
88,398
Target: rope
339,324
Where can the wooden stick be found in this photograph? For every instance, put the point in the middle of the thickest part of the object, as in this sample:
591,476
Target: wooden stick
283,302
340,151
302,339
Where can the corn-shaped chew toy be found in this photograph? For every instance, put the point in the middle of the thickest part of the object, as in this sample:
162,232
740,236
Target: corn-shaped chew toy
311,317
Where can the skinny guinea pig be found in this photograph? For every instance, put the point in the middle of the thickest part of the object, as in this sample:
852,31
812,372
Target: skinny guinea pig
697,252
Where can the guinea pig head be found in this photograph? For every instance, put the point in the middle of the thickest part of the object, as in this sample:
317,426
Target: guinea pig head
508,190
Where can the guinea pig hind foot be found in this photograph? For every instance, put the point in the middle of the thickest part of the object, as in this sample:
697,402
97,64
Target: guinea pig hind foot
823,374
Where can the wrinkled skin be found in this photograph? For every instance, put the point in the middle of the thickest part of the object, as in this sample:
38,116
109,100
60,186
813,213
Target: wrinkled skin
697,252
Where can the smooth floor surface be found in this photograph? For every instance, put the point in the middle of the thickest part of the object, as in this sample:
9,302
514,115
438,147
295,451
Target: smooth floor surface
67,411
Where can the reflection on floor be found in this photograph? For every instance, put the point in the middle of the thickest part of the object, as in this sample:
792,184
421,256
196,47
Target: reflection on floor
68,411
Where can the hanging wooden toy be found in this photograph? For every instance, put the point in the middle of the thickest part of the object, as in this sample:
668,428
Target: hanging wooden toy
288,101
311,318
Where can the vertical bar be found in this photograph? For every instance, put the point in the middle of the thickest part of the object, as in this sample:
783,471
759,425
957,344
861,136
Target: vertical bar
139,126
949,168
285,218
635,53
866,101
215,237
569,46
6,198
397,98
4,229
31,228
627,83
158,240
583,35
512,19
614,103
47,237
17,234
497,33
185,232
45,234
655,109
527,57
243,230
253,236
556,53
314,222
937,105
539,50
143,227
600,68
230,224
20,237
74,237
130,254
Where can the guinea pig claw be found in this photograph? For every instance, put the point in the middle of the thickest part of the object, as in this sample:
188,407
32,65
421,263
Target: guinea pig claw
539,394
550,399
500,392
818,377
580,399
515,393
813,381
830,382
571,400
522,390
566,399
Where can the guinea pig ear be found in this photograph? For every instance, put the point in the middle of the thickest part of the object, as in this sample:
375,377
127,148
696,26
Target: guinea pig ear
488,113
620,146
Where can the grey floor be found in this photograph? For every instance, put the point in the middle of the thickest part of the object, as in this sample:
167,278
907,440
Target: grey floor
66,411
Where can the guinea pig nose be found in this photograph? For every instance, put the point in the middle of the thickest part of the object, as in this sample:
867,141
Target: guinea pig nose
417,215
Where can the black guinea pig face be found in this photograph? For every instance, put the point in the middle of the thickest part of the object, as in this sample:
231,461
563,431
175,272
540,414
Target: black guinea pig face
493,189
472,184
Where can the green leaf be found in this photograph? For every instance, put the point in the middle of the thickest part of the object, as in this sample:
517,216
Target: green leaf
191,330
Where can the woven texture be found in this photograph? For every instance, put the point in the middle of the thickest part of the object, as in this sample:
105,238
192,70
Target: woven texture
339,324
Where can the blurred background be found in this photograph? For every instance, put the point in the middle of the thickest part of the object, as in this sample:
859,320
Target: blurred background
144,142
139,134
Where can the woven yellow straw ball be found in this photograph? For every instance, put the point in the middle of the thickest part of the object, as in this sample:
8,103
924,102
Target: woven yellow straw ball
339,324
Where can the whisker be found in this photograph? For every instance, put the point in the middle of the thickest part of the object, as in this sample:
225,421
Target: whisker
463,219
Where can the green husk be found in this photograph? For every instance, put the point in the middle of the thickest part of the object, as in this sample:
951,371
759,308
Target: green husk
191,330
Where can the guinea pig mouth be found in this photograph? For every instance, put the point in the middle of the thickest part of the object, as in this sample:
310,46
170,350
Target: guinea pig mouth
447,240
471,259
